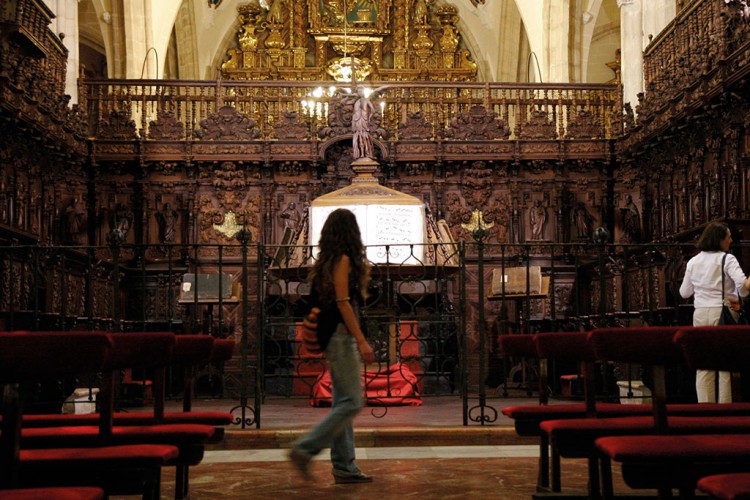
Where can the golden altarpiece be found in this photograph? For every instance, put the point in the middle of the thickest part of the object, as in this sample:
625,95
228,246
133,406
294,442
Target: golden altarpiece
377,40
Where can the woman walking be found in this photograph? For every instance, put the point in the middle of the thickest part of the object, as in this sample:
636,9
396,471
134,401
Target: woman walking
338,286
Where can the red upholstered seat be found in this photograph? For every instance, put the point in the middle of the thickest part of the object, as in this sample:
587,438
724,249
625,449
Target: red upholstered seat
668,461
527,418
518,345
676,461
555,345
715,347
26,357
726,486
61,493
223,350
140,455
215,418
84,435
575,438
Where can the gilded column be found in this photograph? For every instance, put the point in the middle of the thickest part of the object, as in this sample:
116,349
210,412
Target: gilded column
400,38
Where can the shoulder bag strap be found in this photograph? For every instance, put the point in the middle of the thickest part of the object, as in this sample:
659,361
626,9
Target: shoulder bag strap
723,260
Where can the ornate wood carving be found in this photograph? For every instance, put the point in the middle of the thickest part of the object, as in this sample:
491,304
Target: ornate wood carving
539,126
477,124
415,127
117,126
166,127
228,124
292,126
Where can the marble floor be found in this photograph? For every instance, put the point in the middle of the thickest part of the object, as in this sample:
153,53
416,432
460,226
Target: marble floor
420,452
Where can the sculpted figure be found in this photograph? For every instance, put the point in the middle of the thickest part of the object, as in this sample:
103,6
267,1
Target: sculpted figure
537,219
361,138
167,219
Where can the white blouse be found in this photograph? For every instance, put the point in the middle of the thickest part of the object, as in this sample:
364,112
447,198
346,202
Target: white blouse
703,278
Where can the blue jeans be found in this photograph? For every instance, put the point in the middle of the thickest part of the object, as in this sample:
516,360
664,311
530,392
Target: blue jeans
336,429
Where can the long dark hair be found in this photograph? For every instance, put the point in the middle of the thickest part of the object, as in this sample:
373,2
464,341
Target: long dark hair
340,236
710,240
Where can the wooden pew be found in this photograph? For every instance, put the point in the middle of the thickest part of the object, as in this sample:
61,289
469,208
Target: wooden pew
561,346
32,356
665,462
147,350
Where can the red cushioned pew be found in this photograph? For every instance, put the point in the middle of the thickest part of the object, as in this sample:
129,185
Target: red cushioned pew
665,462
29,357
190,351
653,347
60,493
148,350
560,346
726,486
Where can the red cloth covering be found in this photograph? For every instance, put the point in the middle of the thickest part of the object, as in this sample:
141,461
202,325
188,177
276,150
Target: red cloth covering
395,385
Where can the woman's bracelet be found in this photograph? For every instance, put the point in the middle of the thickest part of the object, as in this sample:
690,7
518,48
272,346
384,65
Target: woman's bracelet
343,299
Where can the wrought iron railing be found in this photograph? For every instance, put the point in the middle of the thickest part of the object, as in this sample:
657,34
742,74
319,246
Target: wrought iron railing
439,320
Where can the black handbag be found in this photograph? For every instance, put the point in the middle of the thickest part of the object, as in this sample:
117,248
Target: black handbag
727,318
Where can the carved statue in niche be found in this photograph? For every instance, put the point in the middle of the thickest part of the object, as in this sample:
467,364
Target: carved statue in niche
120,221
290,216
668,212
631,221
21,205
732,197
4,199
583,221
275,12
537,220
74,222
714,189
166,218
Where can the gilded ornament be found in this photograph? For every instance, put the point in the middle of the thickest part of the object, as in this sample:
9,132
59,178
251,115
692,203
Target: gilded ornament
229,226
477,222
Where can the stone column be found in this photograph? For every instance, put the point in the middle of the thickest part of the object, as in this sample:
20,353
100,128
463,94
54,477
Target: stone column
557,46
65,25
656,15
631,36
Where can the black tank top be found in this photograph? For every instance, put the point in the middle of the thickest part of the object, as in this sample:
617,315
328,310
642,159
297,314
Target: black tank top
330,316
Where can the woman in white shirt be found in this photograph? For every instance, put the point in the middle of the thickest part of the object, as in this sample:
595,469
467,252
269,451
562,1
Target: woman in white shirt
703,279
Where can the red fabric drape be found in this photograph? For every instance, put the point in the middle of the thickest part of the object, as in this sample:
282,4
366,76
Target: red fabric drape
395,385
